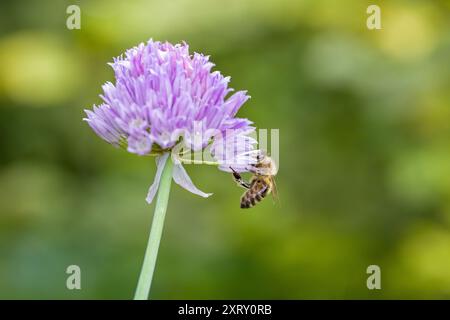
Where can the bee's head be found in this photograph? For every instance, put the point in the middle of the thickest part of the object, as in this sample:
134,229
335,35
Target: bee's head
261,156
264,160
264,164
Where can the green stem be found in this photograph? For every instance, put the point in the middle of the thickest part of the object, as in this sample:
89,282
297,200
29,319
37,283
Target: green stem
145,279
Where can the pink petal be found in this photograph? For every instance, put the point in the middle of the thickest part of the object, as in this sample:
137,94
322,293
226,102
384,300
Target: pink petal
181,177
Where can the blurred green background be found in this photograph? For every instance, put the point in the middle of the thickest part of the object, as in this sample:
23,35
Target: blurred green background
364,119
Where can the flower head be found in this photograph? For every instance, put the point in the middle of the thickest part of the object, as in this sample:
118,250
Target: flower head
163,97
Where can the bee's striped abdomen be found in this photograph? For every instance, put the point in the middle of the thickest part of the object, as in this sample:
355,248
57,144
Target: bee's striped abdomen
258,190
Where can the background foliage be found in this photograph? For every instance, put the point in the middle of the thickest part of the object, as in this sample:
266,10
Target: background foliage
364,178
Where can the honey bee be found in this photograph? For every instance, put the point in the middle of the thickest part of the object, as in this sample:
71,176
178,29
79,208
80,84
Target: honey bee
262,182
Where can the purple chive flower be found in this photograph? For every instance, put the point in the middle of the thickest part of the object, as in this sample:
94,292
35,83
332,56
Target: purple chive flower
163,97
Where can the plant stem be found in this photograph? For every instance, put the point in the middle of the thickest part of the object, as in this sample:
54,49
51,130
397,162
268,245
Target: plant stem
151,253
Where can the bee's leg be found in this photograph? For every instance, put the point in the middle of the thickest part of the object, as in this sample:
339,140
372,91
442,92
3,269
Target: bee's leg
237,177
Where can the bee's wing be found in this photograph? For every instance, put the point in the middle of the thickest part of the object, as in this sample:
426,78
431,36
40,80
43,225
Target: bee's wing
274,190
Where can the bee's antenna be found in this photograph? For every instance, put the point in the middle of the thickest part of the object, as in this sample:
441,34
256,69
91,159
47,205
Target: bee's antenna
235,174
